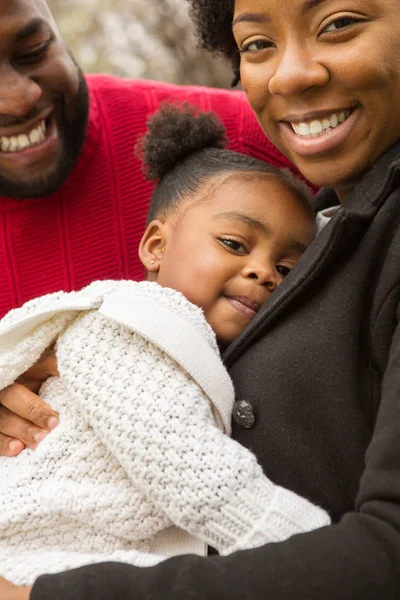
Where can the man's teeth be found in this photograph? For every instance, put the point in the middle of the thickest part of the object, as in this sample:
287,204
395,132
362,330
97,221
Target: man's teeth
16,143
317,128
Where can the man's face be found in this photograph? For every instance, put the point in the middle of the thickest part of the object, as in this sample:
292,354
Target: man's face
43,102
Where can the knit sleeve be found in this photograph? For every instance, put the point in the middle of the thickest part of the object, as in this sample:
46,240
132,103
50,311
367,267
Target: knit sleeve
158,424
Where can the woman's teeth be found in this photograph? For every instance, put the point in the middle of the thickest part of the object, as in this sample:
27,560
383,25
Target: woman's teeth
316,128
16,143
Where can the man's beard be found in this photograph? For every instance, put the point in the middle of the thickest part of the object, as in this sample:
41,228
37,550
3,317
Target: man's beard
72,124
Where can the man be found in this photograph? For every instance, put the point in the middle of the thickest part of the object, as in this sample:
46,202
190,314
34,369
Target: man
73,200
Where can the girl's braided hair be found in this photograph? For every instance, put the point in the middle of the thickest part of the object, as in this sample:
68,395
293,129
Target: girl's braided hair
184,148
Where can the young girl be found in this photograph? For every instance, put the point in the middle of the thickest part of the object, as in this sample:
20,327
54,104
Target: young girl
141,466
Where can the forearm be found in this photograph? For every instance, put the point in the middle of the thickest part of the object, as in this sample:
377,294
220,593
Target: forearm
353,561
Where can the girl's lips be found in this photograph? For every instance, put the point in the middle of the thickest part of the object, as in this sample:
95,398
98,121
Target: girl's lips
244,305
303,146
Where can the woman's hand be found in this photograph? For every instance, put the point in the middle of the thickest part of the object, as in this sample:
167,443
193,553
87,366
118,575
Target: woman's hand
9,591
25,419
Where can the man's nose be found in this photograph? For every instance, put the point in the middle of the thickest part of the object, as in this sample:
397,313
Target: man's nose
297,70
18,93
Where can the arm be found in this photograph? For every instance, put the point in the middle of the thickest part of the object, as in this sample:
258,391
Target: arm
158,424
358,559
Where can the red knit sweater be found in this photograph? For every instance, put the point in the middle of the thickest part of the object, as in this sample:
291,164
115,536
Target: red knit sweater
90,229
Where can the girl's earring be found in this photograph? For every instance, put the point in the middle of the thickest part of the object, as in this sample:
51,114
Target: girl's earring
152,262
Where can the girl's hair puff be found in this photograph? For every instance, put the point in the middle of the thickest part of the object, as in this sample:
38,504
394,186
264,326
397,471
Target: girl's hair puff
184,148
173,133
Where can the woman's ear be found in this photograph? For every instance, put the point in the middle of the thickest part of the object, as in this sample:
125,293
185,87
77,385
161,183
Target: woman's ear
152,246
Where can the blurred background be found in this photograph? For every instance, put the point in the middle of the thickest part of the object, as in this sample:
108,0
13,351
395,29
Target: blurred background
150,39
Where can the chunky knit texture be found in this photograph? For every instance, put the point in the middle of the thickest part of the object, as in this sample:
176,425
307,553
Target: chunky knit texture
138,456
90,229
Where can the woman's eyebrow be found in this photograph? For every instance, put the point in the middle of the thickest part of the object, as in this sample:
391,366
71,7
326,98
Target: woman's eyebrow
251,18
246,219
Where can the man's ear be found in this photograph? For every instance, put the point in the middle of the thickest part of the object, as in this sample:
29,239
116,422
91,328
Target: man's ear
152,246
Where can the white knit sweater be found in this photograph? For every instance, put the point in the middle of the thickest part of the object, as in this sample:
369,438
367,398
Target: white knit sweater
141,466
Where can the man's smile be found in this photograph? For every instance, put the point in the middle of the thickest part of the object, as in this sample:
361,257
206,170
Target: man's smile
19,138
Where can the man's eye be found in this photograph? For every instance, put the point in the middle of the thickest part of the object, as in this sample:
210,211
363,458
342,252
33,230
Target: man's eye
34,56
255,46
233,245
282,270
340,23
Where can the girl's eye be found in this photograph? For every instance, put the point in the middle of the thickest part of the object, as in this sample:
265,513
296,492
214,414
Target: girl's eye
233,245
340,23
282,270
255,46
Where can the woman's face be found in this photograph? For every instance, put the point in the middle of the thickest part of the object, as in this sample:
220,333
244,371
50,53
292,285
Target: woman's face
323,77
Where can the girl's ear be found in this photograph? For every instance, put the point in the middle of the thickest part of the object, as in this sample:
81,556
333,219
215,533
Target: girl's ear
152,246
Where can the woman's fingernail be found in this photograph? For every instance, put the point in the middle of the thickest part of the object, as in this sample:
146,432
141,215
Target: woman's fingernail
39,437
53,422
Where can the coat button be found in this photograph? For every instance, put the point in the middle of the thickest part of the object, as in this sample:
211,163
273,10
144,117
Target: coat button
243,414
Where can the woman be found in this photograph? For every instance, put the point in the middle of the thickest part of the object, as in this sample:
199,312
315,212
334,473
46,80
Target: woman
320,364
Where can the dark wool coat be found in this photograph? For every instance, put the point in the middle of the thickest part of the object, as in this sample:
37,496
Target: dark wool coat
321,366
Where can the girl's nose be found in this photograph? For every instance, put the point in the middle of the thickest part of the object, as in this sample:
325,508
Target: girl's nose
296,71
262,274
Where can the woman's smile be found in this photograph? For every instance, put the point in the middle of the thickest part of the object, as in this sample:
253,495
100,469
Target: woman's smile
311,126
307,137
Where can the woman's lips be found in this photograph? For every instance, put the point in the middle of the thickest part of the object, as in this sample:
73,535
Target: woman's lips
244,305
305,146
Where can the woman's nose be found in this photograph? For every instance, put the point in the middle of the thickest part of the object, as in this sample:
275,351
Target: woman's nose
296,71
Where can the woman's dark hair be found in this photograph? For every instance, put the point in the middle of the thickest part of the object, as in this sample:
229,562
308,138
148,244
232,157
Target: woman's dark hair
184,148
213,23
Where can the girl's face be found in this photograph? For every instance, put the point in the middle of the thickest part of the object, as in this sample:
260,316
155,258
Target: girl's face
323,77
229,247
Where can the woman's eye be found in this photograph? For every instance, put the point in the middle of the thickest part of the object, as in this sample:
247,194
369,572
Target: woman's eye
255,46
282,270
340,23
233,245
